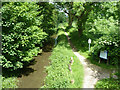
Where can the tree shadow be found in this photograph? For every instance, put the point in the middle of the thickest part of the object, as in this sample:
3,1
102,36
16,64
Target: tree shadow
26,70
81,43
49,44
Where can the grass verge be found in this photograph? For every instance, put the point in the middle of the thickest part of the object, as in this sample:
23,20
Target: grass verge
59,75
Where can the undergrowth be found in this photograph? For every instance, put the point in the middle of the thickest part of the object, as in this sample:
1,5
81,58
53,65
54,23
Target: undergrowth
109,83
10,82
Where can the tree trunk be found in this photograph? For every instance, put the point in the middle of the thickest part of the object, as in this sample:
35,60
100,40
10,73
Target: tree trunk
80,30
79,24
70,14
70,19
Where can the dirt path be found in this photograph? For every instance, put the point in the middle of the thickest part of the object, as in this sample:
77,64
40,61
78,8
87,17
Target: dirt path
36,78
92,73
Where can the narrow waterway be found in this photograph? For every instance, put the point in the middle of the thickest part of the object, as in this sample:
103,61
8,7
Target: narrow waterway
36,78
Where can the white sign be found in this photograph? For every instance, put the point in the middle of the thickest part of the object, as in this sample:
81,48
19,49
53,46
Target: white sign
89,40
103,54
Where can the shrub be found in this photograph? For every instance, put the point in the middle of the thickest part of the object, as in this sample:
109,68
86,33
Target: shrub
109,83
21,36
111,44
10,82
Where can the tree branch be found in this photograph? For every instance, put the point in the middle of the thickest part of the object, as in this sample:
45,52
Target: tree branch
83,13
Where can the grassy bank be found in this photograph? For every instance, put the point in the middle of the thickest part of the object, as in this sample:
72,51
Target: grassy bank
59,75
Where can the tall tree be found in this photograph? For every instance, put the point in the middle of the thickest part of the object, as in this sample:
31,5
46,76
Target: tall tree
82,12
46,10
22,36
66,7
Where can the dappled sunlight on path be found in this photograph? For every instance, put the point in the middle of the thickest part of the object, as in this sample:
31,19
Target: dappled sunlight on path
92,73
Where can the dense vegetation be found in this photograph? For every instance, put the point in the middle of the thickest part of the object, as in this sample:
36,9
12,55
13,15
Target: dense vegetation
22,36
10,82
109,83
27,27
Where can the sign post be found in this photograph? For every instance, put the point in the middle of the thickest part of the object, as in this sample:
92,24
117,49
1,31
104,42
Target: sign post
89,41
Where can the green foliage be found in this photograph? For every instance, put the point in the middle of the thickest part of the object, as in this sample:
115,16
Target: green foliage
10,82
21,35
59,75
104,33
109,43
0,81
102,27
47,11
81,43
109,83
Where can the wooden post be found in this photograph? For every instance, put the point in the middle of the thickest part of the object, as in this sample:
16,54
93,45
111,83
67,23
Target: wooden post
108,61
71,61
99,60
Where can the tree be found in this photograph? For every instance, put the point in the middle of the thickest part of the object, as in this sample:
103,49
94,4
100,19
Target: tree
66,7
79,11
22,36
46,11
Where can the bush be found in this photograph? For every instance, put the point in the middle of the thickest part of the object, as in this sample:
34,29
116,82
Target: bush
109,83
21,36
10,82
47,20
111,44
105,34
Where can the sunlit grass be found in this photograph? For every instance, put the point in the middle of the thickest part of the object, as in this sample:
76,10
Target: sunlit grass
77,73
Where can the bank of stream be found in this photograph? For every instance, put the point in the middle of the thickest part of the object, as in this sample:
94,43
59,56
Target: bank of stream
35,79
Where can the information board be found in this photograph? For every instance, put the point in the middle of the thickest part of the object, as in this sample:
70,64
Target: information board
103,54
